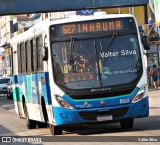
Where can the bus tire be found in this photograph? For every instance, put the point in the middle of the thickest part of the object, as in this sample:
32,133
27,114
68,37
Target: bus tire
41,124
31,124
55,130
127,123
44,110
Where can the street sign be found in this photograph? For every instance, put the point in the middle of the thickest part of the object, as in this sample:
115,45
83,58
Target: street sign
32,6
86,12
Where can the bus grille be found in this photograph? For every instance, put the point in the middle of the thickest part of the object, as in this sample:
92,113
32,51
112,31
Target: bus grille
92,115
101,94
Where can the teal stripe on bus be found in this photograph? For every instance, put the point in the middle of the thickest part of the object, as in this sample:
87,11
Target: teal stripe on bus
17,92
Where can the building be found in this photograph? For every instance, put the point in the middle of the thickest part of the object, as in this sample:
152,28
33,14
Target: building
11,26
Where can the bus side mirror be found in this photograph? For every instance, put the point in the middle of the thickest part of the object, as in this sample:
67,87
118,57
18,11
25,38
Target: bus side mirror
44,53
145,42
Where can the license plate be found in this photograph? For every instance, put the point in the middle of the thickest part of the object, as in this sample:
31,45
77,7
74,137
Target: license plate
104,118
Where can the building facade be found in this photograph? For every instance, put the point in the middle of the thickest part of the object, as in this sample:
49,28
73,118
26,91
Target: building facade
11,26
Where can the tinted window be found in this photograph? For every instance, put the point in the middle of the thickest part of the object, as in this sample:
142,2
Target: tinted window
99,62
120,62
75,64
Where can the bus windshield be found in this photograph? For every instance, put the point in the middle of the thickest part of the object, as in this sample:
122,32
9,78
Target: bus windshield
97,62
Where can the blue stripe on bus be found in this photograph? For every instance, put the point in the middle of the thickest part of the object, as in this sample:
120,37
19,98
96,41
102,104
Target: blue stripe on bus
37,89
110,101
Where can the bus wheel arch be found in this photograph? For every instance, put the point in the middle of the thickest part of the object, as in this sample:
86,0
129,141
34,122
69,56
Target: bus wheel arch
29,123
45,115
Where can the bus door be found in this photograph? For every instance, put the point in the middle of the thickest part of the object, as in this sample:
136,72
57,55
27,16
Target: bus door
38,77
37,70
33,94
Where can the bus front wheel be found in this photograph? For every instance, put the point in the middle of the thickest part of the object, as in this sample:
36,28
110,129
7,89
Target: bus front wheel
127,123
29,123
55,130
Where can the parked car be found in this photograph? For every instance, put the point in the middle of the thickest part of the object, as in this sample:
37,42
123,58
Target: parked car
5,87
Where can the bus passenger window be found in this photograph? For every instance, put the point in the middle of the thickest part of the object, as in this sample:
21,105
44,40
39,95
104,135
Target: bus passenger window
35,55
23,57
19,59
29,59
39,54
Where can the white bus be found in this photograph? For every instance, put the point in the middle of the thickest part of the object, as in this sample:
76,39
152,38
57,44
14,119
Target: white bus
82,69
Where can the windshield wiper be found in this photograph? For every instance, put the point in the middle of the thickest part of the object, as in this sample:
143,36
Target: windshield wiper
111,40
71,51
72,57
97,64
72,45
109,45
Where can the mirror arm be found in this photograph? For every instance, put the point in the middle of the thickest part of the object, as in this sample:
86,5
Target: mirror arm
145,42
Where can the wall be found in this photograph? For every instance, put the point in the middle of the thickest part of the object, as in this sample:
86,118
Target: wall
138,12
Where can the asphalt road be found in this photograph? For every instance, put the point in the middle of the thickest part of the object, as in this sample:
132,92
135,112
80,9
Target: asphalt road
145,129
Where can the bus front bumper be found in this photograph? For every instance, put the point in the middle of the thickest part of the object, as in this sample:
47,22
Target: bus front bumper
76,116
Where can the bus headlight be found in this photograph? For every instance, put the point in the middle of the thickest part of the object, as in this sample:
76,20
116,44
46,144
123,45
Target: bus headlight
63,103
140,94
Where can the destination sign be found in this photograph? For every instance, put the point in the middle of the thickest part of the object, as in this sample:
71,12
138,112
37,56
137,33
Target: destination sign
105,25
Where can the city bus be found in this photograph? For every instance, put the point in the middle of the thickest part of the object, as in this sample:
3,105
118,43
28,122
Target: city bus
80,70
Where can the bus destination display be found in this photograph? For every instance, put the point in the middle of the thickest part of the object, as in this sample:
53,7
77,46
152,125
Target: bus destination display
106,25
